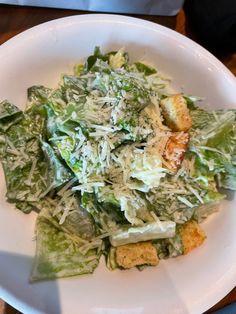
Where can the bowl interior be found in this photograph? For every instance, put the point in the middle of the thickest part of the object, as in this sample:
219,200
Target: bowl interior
187,284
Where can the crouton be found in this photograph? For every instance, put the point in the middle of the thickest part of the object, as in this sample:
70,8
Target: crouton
192,235
134,254
176,113
175,150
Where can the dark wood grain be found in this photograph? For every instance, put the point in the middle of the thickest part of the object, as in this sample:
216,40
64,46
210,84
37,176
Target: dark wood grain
228,299
14,20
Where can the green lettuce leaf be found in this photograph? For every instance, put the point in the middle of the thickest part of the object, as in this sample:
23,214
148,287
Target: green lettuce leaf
65,246
179,199
29,175
227,179
58,253
213,141
170,247
38,94
91,60
9,114
111,259
116,59
23,161
146,69
58,173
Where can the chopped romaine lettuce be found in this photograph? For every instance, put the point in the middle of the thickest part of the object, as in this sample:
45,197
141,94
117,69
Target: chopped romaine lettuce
147,167
9,114
111,259
58,253
90,157
150,231
170,247
146,69
213,141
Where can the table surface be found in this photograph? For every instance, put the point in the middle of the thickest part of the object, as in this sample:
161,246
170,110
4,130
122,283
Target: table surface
14,20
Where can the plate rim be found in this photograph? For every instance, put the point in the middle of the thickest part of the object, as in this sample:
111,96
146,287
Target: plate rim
122,18
136,21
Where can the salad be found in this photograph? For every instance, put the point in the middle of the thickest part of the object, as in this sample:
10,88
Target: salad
115,163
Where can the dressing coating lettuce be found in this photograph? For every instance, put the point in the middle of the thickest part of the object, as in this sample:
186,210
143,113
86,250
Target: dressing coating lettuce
89,157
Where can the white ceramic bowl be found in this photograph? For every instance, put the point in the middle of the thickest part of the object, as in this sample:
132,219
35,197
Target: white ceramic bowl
188,284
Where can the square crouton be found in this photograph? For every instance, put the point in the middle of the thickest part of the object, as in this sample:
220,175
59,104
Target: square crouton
175,149
192,235
176,113
134,254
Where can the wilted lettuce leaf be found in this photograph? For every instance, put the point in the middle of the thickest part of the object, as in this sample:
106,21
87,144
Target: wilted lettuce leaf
29,175
114,58
147,70
62,137
25,207
227,179
91,60
171,247
78,221
109,204
8,110
111,259
58,252
22,159
57,172
182,205
38,94
213,141
9,114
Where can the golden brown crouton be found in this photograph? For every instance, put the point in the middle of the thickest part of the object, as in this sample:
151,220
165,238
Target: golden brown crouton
135,254
192,235
176,113
175,149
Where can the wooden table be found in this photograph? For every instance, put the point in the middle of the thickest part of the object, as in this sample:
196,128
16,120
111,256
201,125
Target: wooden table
14,20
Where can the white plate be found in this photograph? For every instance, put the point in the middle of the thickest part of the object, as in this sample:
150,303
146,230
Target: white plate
188,284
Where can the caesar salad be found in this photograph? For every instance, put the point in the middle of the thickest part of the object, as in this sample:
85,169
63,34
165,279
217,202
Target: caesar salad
115,163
